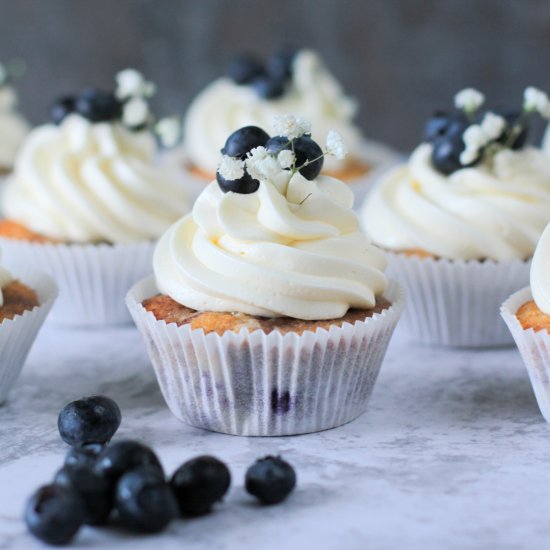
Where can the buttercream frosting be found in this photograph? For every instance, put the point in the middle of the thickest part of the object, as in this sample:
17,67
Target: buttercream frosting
313,94
495,210
88,182
294,248
540,272
13,127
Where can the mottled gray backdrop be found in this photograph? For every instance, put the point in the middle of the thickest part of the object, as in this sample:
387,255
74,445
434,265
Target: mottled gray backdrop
400,58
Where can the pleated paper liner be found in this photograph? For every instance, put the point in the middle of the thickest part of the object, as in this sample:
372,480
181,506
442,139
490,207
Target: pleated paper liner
18,335
266,384
534,348
93,279
455,302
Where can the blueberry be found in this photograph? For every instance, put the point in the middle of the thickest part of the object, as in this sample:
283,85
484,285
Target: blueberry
511,116
305,150
241,141
446,154
83,455
122,456
245,185
54,514
269,87
199,483
62,108
443,123
93,489
89,420
144,501
279,65
270,479
244,69
98,106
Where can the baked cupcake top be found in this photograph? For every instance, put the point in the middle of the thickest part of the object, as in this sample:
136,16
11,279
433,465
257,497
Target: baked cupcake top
271,237
253,93
473,190
92,174
13,127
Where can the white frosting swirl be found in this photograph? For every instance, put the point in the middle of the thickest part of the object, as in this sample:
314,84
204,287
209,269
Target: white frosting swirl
5,278
13,127
224,107
86,182
496,211
540,272
296,252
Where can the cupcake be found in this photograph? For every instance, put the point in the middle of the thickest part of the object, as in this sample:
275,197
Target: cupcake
13,127
252,93
527,314
87,200
461,219
269,312
24,304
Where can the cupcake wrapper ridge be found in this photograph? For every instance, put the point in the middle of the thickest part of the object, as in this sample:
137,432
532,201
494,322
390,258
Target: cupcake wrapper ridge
259,384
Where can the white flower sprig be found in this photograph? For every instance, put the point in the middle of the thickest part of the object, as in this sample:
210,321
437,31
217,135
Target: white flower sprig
131,83
478,136
469,100
291,126
231,168
335,145
169,131
535,100
135,112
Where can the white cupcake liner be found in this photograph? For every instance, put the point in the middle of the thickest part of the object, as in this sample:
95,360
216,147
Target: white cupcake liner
455,302
534,348
92,279
266,385
17,336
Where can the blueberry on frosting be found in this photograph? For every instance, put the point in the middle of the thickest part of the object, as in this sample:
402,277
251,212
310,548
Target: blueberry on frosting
61,108
471,135
98,105
244,69
251,156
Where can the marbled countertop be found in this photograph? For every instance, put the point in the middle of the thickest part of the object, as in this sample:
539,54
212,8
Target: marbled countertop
452,453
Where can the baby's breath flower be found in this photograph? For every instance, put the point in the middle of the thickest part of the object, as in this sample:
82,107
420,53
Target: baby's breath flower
169,131
269,167
469,100
131,83
468,156
335,145
286,158
135,112
261,165
231,168
536,100
493,125
291,126
474,137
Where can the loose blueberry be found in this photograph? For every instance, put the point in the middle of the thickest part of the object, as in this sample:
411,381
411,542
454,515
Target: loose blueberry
93,489
98,106
446,154
54,514
245,185
244,69
62,108
511,118
305,150
199,483
144,501
442,123
269,87
241,141
122,456
270,479
89,420
83,455
279,65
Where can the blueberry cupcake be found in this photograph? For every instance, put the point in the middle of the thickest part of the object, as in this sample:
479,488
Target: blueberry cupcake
527,314
24,304
461,219
269,312
13,127
87,200
253,92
